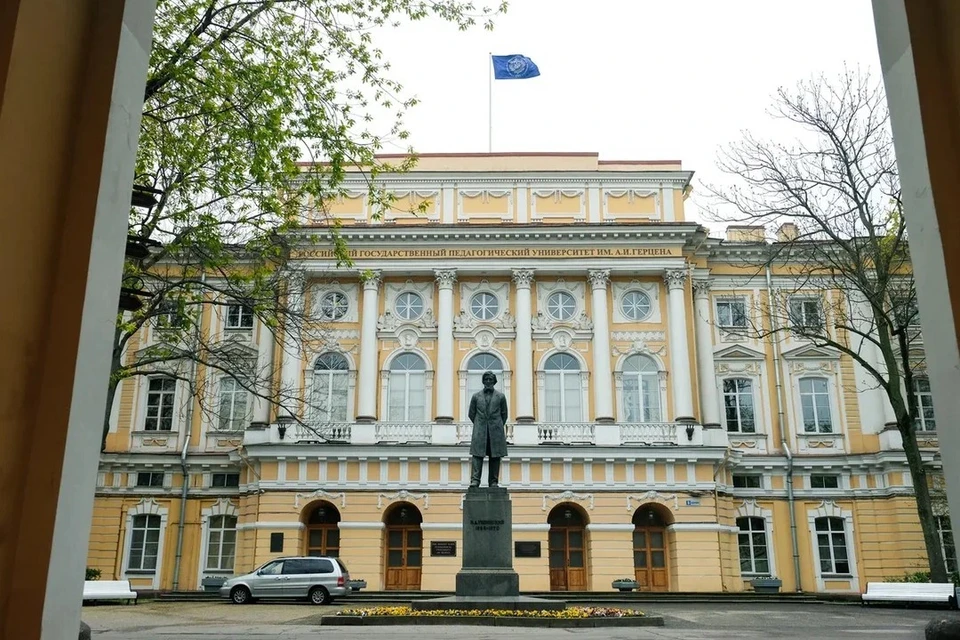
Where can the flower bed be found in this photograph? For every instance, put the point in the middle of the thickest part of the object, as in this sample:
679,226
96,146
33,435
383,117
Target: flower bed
567,614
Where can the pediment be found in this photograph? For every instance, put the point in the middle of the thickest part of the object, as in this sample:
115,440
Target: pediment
812,352
737,352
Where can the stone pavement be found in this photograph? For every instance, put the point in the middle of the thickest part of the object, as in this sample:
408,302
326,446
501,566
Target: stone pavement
754,621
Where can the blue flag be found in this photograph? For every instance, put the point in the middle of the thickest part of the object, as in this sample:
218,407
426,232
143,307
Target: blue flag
514,67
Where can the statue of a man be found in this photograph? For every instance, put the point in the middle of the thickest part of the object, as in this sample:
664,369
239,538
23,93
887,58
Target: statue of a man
488,412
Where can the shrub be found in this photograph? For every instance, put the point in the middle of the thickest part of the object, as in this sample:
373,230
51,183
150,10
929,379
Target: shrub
920,576
93,574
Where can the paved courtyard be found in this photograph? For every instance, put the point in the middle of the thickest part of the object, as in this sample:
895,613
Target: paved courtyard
215,621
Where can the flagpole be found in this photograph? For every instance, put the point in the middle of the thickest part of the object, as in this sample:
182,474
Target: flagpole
490,102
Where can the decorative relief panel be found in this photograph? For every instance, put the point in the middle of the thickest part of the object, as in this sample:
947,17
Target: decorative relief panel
351,293
494,204
652,291
633,203
558,203
407,205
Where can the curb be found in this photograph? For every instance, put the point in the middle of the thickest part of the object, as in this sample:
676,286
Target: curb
492,621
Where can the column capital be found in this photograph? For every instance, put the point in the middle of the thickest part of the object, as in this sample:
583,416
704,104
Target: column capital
675,278
371,279
599,278
523,278
445,277
701,287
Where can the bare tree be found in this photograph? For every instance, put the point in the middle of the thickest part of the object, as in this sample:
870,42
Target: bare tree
834,197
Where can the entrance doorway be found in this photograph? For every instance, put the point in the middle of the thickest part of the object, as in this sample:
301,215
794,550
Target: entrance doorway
323,531
568,548
403,540
650,548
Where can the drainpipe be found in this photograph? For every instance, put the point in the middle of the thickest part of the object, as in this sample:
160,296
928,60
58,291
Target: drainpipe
781,420
183,455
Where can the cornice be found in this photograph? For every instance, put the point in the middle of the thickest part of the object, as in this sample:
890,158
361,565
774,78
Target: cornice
677,179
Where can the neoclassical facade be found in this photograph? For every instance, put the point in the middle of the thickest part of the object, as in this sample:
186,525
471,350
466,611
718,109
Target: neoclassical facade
646,421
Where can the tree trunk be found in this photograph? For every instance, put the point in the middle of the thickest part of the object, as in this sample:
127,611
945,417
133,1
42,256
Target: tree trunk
116,363
931,538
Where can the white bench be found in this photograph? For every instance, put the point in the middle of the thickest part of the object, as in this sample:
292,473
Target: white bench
108,590
940,592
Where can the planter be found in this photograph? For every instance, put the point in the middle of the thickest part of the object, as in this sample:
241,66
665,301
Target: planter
625,585
766,585
212,583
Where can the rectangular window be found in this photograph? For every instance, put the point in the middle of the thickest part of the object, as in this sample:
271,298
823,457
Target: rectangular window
824,481
239,316
221,543
144,543
945,532
747,481
805,314
170,315
149,479
738,405
225,480
752,541
160,396
832,546
732,313
233,405
905,310
815,405
921,389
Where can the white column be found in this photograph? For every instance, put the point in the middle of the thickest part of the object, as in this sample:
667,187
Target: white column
523,278
706,376
445,372
367,378
679,350
289,397
265,349
602,371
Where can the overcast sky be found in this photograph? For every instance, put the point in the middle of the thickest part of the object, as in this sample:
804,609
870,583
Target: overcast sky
630,79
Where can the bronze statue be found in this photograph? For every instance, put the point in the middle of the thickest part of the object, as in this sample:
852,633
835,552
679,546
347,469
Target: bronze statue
488,412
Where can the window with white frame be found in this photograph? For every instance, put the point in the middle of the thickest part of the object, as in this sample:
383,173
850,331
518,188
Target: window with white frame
805,313
747,481
239,317
947,547
641,389
477,366
150,479
328,399
832,545
161,392
144,543
170,315
225,480
484,305
407,393
752,541
905,310
732,313
824,481
409,305
562,394
921,390
232,415
738,407
333,305
561,305
815,405
635,305
221,542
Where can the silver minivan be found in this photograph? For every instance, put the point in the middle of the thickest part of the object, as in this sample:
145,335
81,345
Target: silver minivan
319,579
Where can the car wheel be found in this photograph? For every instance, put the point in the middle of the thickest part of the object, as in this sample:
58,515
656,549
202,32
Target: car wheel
319,595
240,595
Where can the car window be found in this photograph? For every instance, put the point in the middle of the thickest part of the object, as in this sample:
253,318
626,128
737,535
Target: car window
273,569
343,567
296,567
322,565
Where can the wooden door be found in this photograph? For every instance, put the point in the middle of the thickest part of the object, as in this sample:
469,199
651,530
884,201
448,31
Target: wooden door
568,571
323,540
404,557
650,558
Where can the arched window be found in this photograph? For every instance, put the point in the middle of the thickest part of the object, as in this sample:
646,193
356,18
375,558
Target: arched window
815,405
752,542
641,390
562,395
476,367
221,542
330,381
738,405
407,395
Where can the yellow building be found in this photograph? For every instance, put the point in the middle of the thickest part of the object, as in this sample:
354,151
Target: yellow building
645,422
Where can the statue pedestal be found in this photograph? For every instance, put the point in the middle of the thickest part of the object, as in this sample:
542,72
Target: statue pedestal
486,579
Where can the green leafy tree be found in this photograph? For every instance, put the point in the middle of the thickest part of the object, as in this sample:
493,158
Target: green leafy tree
834,195
253,112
